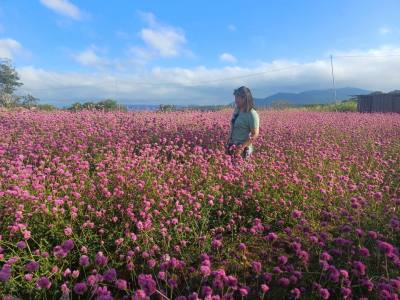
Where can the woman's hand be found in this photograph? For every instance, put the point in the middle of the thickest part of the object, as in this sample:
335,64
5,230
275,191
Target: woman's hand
239,150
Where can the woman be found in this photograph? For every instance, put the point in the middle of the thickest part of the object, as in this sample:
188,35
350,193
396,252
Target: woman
245,124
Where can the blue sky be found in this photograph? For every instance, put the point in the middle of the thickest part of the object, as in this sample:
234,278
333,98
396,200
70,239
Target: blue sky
197,51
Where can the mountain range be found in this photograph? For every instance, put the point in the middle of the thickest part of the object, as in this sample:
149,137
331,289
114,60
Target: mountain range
311,97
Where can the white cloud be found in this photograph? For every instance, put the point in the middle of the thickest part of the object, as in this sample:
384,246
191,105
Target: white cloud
231,27
385,30
227,57
159,40
63,7
374,69
9,47
165,41
90,58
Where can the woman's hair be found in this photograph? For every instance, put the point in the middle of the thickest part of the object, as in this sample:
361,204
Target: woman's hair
244,92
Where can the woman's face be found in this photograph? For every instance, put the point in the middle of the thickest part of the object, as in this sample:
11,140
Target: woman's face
240,102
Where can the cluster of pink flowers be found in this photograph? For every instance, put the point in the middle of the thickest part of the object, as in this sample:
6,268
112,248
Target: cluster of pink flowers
147,205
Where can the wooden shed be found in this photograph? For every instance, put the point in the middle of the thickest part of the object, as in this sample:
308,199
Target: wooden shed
379,102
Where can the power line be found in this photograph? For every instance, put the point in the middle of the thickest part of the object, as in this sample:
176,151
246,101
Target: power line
333,80
193,84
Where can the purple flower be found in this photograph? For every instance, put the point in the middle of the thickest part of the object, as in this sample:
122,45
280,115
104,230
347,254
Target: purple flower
295,293
44,283
32,266
272,236
346,292
80,288
121,284
5,275
358,268
67,245
206,290
283,281
205,271
21,245
368,284
296,214
140,295
364,252
59,252
147,283
267,276
324,293
385,247
334,274
256,266
84,260
243,291
110,275
282,260
264,288
100,259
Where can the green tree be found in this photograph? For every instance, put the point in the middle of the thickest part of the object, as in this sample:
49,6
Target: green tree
29,101
9,79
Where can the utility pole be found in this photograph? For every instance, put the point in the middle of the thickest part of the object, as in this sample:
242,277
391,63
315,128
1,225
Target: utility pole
333,80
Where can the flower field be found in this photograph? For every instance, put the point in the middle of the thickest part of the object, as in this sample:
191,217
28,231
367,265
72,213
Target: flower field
147,205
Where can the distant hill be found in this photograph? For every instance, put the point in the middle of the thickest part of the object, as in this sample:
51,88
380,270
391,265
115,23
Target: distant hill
310,97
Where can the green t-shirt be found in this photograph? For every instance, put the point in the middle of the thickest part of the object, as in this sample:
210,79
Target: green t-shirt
244,122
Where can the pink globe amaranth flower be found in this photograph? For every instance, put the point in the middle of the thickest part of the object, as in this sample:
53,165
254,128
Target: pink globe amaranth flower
21,245
91,280
75,274
243,291
161,275
100,259
64,289
264,288
205,271
326,256
80,288
364,252
368,284
344,273
256,266
68,245
373,234
283,281
232,281
110,275
358,268
334,274
121,284
282,260
346,292
84,260
140,295
147,283
216,243
5,275
272,236
242,246
206,290
43,283
296,214
59,252
68,231
324,293
32,266
296,293
28,277
385,247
